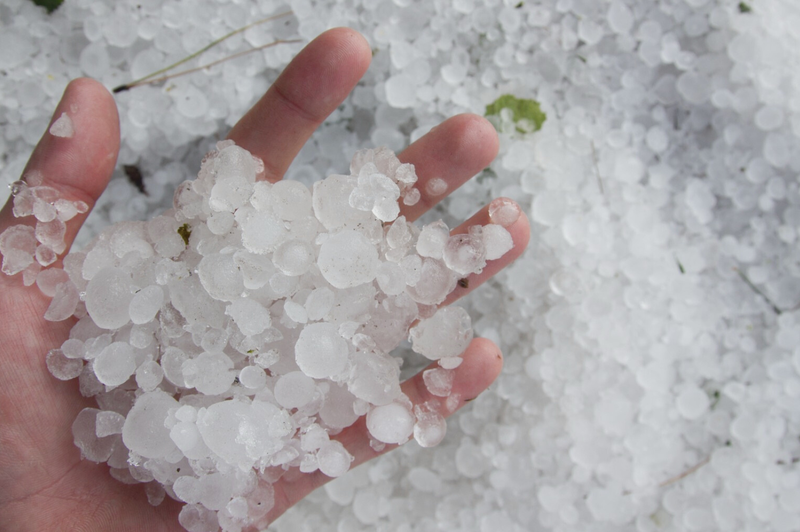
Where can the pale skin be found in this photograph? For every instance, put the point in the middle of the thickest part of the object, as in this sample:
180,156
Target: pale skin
44,484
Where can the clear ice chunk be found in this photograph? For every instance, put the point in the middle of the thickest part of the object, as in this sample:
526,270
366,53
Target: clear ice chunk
63,127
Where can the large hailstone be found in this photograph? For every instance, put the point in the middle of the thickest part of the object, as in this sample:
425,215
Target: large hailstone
144,431
320,351
445,334
348,259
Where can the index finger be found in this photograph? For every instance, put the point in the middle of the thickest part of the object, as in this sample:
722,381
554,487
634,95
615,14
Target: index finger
311,87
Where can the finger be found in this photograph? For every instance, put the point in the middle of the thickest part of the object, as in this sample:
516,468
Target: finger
311,88
78,167
454,151
482,363
520,232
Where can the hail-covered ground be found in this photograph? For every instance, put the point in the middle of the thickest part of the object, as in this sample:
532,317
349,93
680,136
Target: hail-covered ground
651,380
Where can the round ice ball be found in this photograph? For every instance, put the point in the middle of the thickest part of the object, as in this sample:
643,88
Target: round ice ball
348,259
445,334
293,257
145,304
144,432
337,411
392,423
295,389
321,351
334,460
291,200
219,425
221,276
108,298
115,364
692,402
430,429
435,281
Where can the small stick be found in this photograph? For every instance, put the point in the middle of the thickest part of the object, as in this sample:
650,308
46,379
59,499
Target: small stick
203,67
685,473
755,289
597,171
140,81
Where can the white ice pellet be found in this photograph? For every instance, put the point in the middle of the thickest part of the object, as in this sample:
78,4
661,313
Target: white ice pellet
347,259
769,117
430,427
320,351
692,402
294,389
84,433
438,381
392,423
400,91
497,241
253,377
446,334
108,297
620,17
115,364
262,232
64,303
145,304
436,187
293,257
30,273
433,239
18,245
334,460
63,127
337,410
433,280
108,422
503,211
51,234
144,431
67,210
49,279
45,255
196,518
450,362
267,359
62,367
72,348
249,315
412,197
149,375
466,253
291,200
209,373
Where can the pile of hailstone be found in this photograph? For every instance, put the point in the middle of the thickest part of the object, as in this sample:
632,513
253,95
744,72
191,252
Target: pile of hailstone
227,340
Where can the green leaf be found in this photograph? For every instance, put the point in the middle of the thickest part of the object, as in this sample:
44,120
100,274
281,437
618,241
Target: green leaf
521,109
487,173
185,231
744,8
49,5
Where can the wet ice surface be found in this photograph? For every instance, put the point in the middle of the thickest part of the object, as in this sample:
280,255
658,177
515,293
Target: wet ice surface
665,163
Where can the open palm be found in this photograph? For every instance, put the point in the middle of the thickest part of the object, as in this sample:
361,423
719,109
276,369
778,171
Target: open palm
44,484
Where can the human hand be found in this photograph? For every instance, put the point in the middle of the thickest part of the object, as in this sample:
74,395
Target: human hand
44,484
